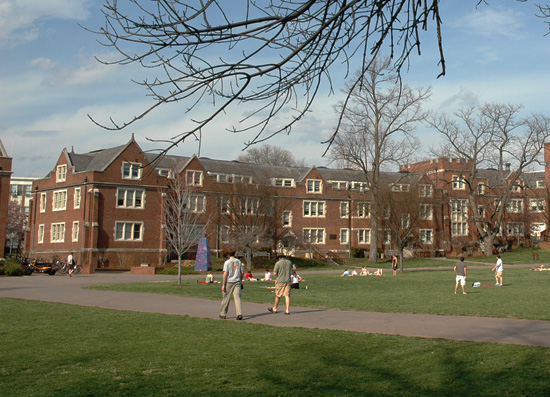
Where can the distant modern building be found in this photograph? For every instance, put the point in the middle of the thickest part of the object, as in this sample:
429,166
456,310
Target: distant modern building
107,206
5,175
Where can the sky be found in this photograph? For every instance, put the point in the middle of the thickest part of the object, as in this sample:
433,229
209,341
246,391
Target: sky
50,81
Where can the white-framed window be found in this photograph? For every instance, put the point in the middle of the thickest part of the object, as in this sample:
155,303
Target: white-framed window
339,185
405,221
61,173
40,234
76,230
249,206
541,184
459,217
283,182
225,205
129,231
480,188
344,209
516,229
537,229
131,170
537,205
194,178
344,236
363,236
426,211
58,232
77,196
314,208
515,206
196,203
225,234
59,202
425,191
314,236
426,236
361,186
400,187
42,202
165,172
130,198
363,210
386,211
314,186
287,218
386,236
516,187
458,182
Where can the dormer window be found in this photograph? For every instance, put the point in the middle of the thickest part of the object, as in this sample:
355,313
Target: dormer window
541,184
314,186
194,178
61,174
459,183
131,171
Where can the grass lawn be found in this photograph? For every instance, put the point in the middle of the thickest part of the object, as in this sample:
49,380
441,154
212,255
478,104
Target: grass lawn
524,294
53,349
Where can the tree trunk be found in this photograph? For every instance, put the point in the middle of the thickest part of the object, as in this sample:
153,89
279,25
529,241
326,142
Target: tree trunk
179,270
488,245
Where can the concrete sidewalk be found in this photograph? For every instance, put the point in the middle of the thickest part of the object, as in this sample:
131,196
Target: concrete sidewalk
64,289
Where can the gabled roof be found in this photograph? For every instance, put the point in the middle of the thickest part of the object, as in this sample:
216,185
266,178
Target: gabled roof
3,152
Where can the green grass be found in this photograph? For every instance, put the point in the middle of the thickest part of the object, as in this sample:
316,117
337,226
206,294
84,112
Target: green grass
53,349
430,292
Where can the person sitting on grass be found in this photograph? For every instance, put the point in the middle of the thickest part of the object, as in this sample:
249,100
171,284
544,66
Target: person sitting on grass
249,277
267,276
539,269
364,271
379,272
346,273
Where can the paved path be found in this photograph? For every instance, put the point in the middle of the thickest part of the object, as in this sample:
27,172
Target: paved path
63,289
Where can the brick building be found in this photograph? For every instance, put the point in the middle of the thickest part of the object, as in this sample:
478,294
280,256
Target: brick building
5,176
106,208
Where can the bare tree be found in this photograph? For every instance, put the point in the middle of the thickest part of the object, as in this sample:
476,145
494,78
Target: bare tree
17,223
494,136
377,129
184,221
274,55
270,155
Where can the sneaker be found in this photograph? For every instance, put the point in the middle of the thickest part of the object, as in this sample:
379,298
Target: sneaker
222,317
497,284
239,317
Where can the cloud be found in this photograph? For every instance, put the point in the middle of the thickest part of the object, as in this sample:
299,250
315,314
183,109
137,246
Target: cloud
20,19
490,21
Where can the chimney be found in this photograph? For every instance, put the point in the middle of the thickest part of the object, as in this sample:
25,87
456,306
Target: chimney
507,166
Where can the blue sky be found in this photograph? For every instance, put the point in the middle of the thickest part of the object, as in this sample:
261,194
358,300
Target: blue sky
50,81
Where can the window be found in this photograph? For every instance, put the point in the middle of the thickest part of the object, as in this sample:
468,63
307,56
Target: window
58,232
386,211
361,186
40,234
541,184
344,209
339,185
480,189
77,195
459,217
128,231
314,236
426,211
458,183
164,172
42,202
314,208
194,178
426,236
225,205
250,206
313,186
196,203
537,229
363,236
515,206
537,205
283,182
61,174
59,202
386,236
225,233
344,236
425,191
405,221
516,229
76,229
130,198
400,187
287,218
131,170
363,210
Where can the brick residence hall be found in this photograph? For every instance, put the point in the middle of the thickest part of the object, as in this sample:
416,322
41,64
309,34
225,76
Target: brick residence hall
106,207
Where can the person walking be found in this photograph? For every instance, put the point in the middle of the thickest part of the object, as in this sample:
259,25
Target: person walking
461,272
394,264
71,263
233,273
498,274
283,271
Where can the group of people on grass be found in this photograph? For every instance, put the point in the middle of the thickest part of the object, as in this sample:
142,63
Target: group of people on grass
461,271
364,272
